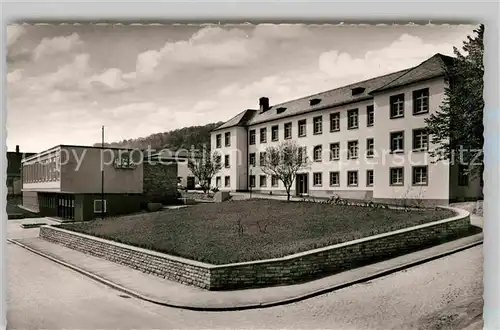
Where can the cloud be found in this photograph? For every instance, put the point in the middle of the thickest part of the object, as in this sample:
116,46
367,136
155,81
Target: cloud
204,106
112,79
405,52
14,32
60,44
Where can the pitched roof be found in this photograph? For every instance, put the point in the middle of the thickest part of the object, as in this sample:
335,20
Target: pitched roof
436,66
334,97
240,119
433,67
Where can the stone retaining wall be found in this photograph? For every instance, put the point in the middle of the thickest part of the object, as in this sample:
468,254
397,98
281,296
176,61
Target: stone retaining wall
291,269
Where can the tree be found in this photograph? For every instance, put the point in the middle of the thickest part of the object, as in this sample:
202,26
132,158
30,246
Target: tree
204,166
284,161
457,129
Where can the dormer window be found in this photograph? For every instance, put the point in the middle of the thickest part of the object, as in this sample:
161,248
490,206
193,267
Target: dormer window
357,90
313,102
280,110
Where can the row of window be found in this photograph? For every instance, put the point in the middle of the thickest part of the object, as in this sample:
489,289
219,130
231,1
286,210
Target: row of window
419,178
227,181
397,110
420,143
41,172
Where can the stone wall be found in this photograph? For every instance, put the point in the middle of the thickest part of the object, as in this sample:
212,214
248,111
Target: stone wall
169,267
291,269
160,182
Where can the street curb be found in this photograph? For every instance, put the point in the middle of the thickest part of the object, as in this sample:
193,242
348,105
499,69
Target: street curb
249,306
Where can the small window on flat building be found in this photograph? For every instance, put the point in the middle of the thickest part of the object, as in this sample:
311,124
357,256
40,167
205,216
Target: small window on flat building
227,164
335,151
252,181
227,139
227,181
334,179
397,142
352,149
251,159
218,140
420,139
263,135
370,147
318,150
274,181
262,159
218,181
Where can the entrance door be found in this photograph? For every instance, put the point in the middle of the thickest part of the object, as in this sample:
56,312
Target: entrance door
302,184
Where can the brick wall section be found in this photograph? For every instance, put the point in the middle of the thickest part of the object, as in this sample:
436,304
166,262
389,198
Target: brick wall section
160,181
287,270
150,262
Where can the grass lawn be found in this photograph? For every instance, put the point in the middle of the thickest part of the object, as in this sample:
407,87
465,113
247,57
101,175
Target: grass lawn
209,232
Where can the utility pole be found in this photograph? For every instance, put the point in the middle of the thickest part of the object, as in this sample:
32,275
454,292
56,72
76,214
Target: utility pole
102,175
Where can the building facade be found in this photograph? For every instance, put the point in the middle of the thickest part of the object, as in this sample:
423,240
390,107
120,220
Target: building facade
80,183
14,183
365,141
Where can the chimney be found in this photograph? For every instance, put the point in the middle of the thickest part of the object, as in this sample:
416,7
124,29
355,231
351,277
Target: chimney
264,104
17,149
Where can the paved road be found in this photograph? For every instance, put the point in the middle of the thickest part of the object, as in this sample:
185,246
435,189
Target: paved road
438,294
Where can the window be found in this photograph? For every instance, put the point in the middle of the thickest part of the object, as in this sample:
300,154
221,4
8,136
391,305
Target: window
218,140
463,175
274,181
263,181
99,206
370,116
227,181
369,178
262,159
397,142
218,181
318,125
335,151
421,101
218,159
302,154
251,159
275,133
252,181
334,179
396,178
226,161
318,179
420,139
335,121
318,150
352,178
370,147
227,139
352,119
419,175
263,135
302,128
288,130
397,106
352,149
252,137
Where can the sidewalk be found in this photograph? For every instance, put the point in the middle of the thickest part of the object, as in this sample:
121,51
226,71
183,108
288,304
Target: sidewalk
164,292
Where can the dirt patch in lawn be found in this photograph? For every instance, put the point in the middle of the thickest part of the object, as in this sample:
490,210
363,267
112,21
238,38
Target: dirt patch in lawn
248,230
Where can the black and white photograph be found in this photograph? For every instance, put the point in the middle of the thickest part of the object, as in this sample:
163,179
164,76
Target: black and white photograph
245,176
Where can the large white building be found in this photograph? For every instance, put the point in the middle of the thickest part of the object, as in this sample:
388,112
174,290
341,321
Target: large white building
366,141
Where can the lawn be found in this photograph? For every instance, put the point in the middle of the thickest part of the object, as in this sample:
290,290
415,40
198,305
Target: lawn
14,211
237,231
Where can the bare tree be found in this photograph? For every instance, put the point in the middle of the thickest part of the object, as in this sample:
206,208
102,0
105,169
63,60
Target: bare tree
204,166
284,161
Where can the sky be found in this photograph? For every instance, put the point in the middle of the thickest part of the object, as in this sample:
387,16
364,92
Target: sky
66,81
